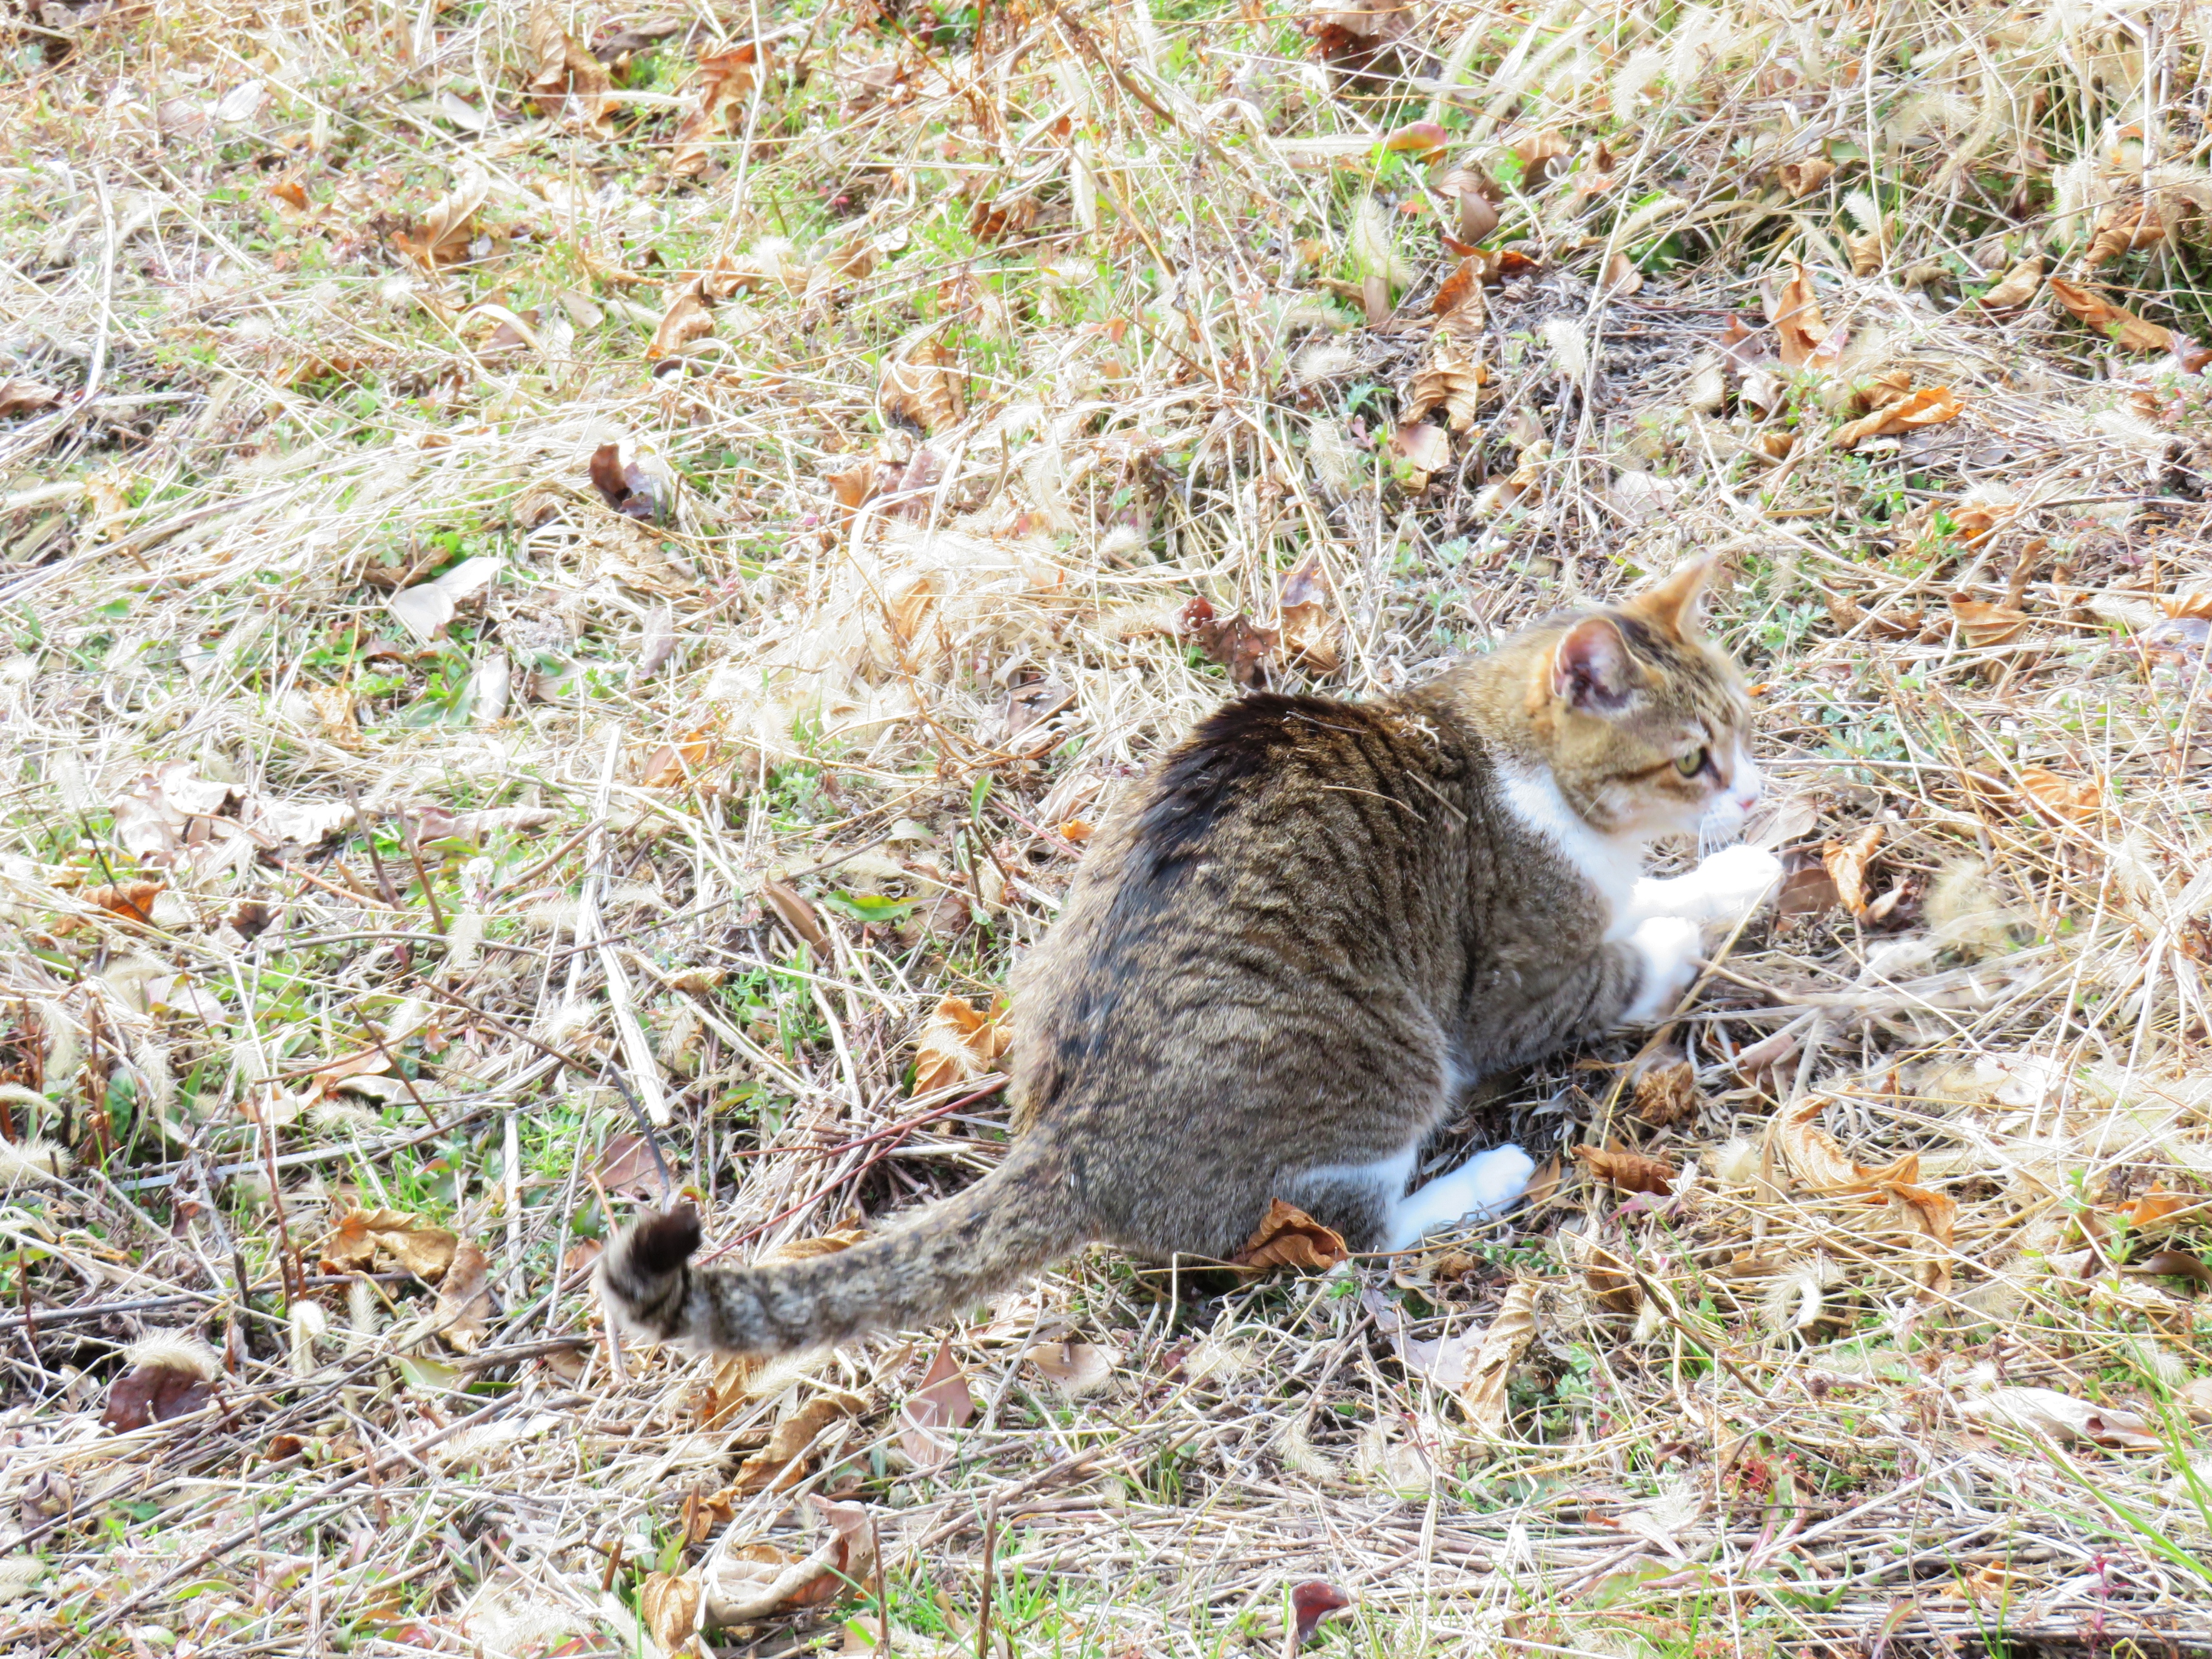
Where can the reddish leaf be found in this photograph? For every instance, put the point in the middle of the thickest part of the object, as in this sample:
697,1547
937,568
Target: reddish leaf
1313,1601
154,1393
1238,643
1288,1237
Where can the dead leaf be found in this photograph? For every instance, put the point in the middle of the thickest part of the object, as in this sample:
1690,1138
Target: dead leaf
1802,179
569,82
1288,1237
689,318
2124,228
924,389
1621,276
2070,800
380,1240
1934,1214
795,913
2016,288
1078,1368
668,1607
443,237
749,1582
1483,1400
131,901
704,1511
2064,1417
2117,323
959,1044
1819,1163
1847,862
154,1391
2175,1264
626,1169
1423,447
22,395
1311,1602
1471,190
633,481
2189,357
464,1299
721,83
942,1402
1452,380
1302,622
1238,643
1867,251
1424,141
1668,1094
1986,624
2158,1207
1536,151
995,218
425,609
1927,407
1630,1172
782,1464
853,486
1799,326
681,761
1458,304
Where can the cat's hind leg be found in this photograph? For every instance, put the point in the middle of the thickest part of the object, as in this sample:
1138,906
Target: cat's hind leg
1481,1188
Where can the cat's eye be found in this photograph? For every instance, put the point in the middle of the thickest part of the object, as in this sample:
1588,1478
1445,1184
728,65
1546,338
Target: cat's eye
1690,764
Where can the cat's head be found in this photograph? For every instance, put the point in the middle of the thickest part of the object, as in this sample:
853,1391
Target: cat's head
1644,724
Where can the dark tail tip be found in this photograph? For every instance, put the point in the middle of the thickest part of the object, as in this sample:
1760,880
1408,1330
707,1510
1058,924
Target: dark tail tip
662,1244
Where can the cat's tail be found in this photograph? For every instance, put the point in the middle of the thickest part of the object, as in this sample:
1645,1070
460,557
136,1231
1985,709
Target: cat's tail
1021,1217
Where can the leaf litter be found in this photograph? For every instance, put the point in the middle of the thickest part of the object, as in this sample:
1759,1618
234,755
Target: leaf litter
849,418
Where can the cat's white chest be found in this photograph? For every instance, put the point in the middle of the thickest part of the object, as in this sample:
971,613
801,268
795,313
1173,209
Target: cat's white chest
1612,864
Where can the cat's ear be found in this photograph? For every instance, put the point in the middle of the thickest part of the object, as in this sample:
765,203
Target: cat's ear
1591,668
1673,604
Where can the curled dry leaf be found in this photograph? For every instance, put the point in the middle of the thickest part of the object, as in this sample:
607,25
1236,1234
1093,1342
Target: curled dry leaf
959,1044
1288,1237
2046,1411
1622,277
2016,288
782,1464
924,389
1452,379
1802,179
160,1387
1424,141
634,481
378,1241
443,236
626,1169
720,87
2124,228
1800,328
2117,323
1630,1172
746,1583
704,1511
689,318
1423,447
1847,864
2069,800
1821,1165
1668,1093
1238,643
127,901
1078,1368
941,1403
1483,1399
2158,1209
1458,304
464,1299
682,760
1987,624
1929,407
1302,620
22,395
1935,1216
1311,1602
793,909
668,1607
569,83
425,609
1471,190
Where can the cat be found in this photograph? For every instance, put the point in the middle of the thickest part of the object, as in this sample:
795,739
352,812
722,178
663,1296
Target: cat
1287,952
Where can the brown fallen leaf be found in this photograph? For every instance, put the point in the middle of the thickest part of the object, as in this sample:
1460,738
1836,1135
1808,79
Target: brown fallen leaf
1801,330
924,389
1424,141
1927,407
1470,190
2174,1264
131,901
1288,1237
704,1511
1238,643
668,1607
793,909
1935,1215
569,83
1847,864
1311,1602
1423,447
2117,323
1630,1172
464,1299
1622,277
1458,304
2157,1208
941,1403
959,1044
443,237
22,395
995,218
1802,179
1302,622
1821,1165
1982,624
627,1169
2124,228
167,1378
782,1464
382,1240
674,764
689,318
752,1582
629,480
1452,379
2069,800
1078,1368
1807,891
2064,1417
720,87
1483,1399
1668,1094
2016,288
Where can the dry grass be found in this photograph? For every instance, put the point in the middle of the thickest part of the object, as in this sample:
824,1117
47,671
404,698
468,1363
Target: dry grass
1025,324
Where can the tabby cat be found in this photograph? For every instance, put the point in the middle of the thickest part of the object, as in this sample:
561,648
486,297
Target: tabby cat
1288,952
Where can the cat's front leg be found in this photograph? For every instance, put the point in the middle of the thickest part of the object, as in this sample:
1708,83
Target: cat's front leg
1723,888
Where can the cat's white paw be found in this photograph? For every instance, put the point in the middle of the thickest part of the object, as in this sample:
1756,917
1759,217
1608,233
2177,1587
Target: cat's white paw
1728,883
1668,947
1481,1188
